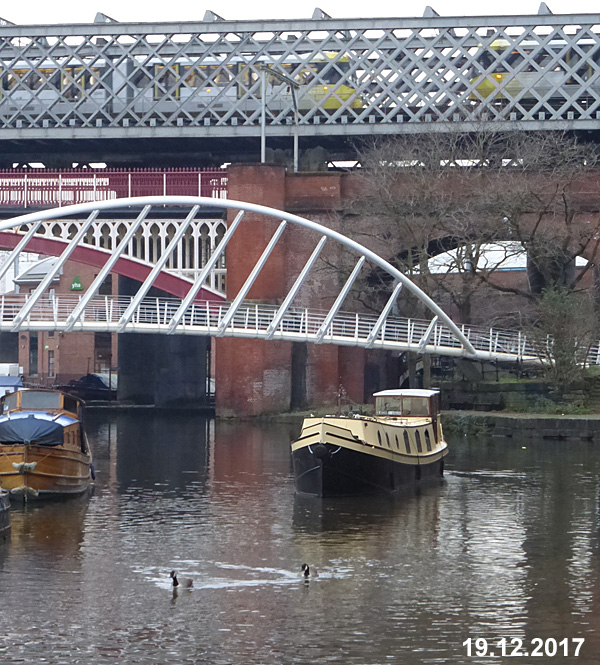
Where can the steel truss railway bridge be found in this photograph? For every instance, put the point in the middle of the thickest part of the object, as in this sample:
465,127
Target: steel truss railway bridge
193,308
99,90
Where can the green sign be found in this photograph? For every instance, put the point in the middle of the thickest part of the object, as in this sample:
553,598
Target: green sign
76,285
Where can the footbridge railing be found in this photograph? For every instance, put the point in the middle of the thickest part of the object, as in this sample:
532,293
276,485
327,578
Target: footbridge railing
259,321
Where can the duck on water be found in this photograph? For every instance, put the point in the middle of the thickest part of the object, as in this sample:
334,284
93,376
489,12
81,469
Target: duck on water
307,572
181,582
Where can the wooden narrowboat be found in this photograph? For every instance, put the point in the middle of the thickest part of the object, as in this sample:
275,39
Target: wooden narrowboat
44,450
401,444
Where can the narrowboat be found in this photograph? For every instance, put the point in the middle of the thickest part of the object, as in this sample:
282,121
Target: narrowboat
401,444
4,515
44,451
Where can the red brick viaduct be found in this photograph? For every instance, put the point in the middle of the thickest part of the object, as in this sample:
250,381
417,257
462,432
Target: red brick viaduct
260,377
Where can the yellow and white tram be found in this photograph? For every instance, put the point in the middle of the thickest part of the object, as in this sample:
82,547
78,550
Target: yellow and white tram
151,85
529,71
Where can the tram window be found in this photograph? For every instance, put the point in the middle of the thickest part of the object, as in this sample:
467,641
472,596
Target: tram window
418,440
72,83
336,71
192,76
427,440
13,78
485,59
166,78
222,75
406,442
92,78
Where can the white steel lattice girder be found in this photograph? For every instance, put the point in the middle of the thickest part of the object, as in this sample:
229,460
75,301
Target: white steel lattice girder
355,76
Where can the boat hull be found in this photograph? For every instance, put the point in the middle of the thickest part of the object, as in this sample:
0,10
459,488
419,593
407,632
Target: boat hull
31,472
4,515
329,470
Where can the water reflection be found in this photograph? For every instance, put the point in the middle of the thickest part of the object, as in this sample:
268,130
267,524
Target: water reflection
506,545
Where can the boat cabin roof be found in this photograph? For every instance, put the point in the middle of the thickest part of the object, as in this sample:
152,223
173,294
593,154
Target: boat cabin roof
406,392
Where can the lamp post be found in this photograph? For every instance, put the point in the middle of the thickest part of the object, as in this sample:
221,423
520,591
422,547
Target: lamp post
294,85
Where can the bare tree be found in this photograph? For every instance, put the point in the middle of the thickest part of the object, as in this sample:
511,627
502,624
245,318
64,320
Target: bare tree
547,196
420,195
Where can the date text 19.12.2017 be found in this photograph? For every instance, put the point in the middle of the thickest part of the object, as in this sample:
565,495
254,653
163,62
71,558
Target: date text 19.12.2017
515,647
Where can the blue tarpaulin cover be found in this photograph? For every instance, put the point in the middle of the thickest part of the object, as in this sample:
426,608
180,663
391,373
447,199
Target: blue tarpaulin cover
31,430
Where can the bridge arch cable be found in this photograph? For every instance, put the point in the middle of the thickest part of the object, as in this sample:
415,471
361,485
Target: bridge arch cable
194,308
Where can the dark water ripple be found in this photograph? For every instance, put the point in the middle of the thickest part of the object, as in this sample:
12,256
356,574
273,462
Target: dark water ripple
506,546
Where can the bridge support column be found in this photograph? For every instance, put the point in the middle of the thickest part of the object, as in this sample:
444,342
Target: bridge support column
164,370
167,371
253,377
256,377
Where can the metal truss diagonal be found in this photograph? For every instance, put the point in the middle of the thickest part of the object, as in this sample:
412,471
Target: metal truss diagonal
354,76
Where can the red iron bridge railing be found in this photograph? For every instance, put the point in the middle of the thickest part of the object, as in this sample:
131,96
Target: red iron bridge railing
56,188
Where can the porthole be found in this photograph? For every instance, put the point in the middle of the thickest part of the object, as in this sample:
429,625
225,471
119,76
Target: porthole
406,442
427,440
418,440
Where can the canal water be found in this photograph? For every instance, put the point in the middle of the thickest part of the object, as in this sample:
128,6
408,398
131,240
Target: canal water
506,547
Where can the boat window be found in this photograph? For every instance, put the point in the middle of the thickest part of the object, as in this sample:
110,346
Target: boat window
70,404
387,438
30,399
418,440
388,406
10,402
406,442
397,444
427,440
415,406
379,437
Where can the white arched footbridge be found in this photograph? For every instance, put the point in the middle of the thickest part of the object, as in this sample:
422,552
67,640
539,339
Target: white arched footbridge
197,310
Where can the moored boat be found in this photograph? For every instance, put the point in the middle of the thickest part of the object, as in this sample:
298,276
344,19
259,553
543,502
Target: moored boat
44,451
402,443
4,514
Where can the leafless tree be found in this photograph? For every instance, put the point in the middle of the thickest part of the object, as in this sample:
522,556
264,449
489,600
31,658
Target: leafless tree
419,195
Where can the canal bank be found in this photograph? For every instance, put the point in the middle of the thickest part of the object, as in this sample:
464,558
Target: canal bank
523,426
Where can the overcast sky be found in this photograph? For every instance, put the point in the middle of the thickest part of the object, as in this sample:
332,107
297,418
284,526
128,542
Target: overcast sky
78,11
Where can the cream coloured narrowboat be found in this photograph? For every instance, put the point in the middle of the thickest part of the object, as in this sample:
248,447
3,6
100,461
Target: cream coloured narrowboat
401,444
44,450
